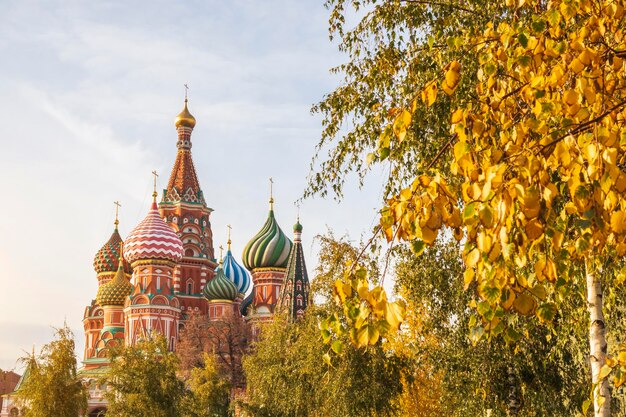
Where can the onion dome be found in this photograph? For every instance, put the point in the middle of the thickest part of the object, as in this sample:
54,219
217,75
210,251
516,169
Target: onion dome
247,302
114,292
297,228
234,271
153,239
220,287
269,248
185,118
107,258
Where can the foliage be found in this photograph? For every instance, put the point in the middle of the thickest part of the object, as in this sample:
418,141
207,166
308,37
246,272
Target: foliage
521,156
287,378
208,394
142,381
547,363
51,386
226,339
366,314
334,254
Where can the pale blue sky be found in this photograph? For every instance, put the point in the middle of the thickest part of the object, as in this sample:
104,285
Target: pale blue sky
88,93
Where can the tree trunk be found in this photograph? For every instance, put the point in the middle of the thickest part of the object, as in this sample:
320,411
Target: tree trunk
597,341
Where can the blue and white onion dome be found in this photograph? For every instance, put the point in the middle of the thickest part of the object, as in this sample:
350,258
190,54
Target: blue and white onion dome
236,273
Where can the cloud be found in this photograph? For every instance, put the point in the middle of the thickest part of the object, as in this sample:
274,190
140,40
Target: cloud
89,96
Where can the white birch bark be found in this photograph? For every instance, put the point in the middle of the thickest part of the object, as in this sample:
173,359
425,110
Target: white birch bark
597,341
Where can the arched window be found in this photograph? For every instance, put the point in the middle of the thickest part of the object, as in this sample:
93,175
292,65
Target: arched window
299,286
190,288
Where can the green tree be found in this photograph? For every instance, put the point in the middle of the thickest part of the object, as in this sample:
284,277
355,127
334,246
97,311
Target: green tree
51,387
286,375
547,363
142,381
209,391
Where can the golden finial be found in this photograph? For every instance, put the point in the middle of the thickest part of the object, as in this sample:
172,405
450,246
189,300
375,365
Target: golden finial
154,194
117,208
271,194
185,118
229,227
221,255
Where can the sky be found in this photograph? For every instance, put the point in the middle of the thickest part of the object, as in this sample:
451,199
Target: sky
88,95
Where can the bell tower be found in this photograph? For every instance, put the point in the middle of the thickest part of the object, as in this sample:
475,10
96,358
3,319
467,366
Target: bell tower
184,208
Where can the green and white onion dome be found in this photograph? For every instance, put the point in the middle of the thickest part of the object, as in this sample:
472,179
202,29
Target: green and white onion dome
114,292
220,287
269,248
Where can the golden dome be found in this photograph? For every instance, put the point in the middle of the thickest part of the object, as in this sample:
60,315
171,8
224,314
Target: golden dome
185,118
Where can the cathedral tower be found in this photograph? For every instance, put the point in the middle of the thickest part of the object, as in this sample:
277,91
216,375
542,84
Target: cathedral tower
183,207
266,256
111,297
153,249
106,263
295,294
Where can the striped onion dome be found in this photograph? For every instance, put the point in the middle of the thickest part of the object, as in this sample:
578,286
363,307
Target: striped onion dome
153,239
220,287
269,248
114,292
107,258
236,273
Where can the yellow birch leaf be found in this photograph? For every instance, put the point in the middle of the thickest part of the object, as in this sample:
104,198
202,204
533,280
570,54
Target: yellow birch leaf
471,259
394,314
524,304
401,124
429,93
468,277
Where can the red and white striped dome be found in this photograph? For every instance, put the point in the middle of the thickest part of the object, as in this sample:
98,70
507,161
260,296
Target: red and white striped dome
153,239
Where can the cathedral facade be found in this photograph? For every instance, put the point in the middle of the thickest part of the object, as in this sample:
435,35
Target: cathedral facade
166,269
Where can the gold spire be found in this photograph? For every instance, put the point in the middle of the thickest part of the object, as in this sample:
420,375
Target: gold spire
271,194
154,193
229,227
185,118
117,208
121,260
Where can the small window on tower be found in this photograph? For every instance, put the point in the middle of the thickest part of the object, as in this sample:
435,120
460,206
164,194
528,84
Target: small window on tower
299,286
158,283
189,288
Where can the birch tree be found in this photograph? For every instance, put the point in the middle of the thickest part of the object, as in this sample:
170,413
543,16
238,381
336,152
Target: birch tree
51,386
525,160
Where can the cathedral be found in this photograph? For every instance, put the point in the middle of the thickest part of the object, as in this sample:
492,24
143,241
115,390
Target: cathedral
166,269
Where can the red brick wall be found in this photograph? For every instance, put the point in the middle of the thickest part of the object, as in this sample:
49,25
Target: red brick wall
8,381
